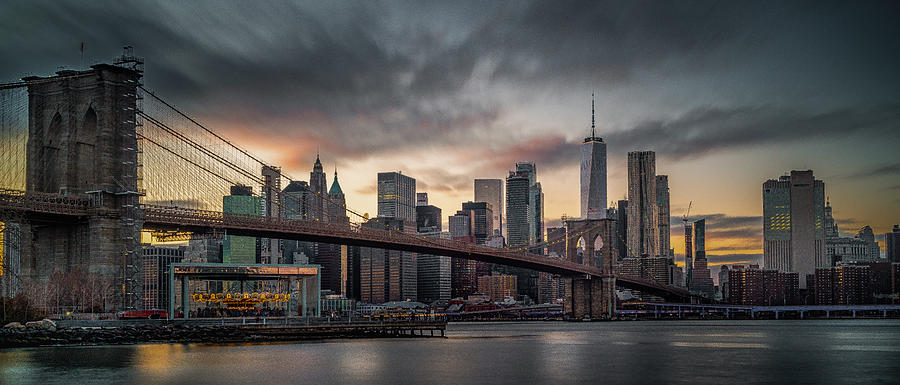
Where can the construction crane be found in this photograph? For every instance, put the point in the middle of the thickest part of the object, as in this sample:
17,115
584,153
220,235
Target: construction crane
686,213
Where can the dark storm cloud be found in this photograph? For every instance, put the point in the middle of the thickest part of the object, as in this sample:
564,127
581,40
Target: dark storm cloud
892,169
363,78
711,129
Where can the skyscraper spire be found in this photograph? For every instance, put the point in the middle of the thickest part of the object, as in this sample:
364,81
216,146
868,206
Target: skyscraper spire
592,116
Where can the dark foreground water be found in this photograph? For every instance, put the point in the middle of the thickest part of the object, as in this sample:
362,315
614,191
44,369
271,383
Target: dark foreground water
698,352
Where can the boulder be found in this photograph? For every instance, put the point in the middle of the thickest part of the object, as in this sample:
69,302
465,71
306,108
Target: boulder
14,325
33,324
47,323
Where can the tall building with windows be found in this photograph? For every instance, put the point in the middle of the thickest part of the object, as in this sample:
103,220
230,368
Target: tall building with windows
434,271
334,258
662,201
794,224
593,174
701,280
388,275
463,272
482,220
491,191
892,245
524,210
535,202
518,190
396,196
155,273
240,249
688,254
643,211
622,229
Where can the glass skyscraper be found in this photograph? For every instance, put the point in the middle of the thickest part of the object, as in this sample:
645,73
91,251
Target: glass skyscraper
593,174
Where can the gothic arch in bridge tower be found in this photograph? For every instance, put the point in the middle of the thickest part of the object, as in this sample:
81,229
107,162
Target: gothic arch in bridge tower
82,159
592,236
591,298
82,138
49,153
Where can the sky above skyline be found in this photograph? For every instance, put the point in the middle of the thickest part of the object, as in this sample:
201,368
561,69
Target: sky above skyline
728,94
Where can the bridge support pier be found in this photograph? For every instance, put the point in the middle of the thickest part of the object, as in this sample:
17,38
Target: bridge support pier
591,299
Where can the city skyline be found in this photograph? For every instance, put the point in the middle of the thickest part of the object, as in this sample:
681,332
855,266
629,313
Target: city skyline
476,116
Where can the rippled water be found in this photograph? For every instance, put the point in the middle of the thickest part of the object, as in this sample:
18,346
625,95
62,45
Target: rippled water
814,351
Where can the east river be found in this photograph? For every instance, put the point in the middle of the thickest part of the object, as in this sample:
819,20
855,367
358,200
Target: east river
645,352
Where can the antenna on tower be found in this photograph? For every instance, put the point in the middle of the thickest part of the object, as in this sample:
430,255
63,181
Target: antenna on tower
593,126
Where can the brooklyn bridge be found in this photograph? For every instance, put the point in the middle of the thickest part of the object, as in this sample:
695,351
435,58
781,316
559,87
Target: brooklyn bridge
91,159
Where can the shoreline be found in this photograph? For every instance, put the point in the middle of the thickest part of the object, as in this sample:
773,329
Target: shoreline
165,332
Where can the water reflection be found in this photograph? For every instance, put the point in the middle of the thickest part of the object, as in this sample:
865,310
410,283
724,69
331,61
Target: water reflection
499,353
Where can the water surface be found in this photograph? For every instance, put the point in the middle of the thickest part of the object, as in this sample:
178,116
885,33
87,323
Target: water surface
789,351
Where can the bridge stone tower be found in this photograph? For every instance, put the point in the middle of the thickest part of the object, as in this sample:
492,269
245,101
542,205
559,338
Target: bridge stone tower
82,142
586,297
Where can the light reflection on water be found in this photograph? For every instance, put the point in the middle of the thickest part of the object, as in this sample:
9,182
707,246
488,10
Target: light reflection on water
540,352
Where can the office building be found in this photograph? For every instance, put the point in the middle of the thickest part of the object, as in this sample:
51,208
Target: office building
688,253
643,211
892,245
296,203
794,224
482,220
656,269
396,196
498,287
270,248
518,190
491,191
662,201
428,219
334,258
155,261
421,199
701,281
434,271
593,174
240,249
723,282
387,275
463,272
621,240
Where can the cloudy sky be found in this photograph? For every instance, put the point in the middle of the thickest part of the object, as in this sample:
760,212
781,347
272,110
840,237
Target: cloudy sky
728,94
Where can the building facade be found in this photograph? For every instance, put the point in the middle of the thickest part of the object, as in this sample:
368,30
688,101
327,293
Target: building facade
892,245
434,271
155,274
662,201
643,211
498,287
491,191
240,249
794,224
396,196
388,275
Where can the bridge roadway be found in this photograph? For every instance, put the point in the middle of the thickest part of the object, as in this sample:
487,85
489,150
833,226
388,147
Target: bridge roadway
53,207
